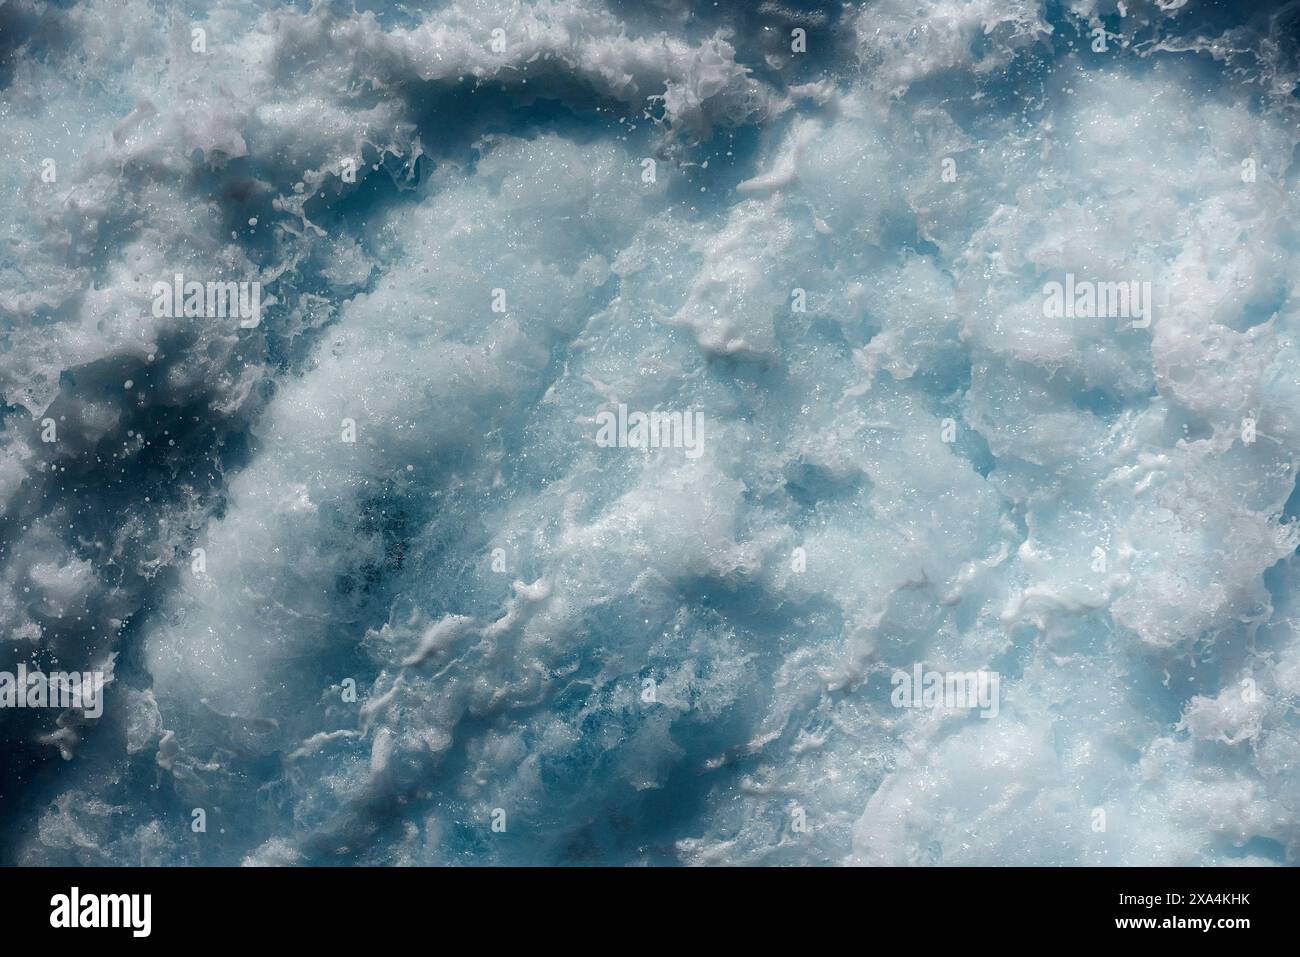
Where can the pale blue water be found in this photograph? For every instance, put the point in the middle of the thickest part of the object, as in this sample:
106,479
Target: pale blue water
669,655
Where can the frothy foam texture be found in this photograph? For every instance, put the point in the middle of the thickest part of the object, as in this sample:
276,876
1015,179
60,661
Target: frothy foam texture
542,433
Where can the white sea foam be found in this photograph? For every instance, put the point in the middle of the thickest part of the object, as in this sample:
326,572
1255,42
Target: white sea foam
641,655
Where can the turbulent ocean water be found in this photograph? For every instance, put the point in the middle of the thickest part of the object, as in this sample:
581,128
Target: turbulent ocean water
967,329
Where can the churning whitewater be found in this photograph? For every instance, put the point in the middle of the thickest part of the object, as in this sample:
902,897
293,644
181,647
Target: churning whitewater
603,432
